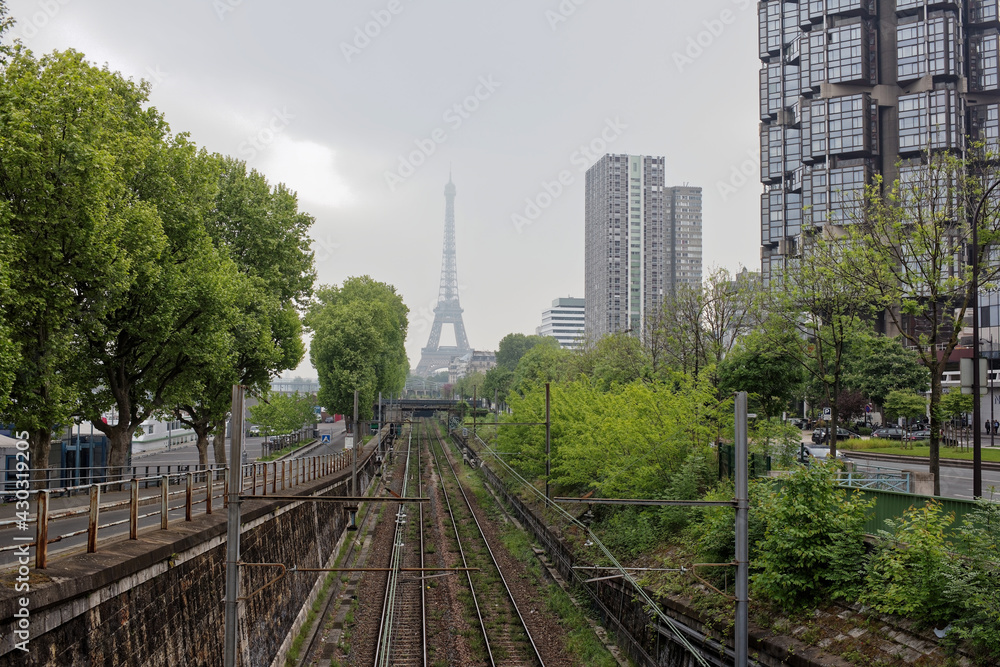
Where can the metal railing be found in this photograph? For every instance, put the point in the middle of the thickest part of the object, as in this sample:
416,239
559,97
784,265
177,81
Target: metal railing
876,479
278,475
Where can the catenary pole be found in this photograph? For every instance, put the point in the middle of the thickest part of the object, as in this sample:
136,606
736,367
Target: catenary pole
742,514
233,528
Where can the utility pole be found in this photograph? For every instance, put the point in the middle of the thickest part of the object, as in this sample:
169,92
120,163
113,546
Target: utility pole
548,442
379,434
354,449
233,530
740,640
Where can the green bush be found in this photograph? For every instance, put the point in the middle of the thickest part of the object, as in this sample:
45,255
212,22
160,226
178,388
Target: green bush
715,533
907,571
974,582
628,531
694,478
814,540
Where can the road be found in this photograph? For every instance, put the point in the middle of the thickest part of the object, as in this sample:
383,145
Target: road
186,454
955,482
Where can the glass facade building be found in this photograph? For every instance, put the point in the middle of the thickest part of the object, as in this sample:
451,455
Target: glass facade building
854,88
643,238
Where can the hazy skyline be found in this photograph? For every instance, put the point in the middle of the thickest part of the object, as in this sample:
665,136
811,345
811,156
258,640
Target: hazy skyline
363,108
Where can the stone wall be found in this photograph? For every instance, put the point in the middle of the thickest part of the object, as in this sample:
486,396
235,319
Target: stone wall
159,600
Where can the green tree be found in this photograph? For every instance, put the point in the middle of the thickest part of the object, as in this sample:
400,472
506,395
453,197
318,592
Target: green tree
906,404
972,588
811,301
908,247
907,572
814,545
471,385
358,334
279,414
498,382
513,346
763,369
260,228
618,358
545,362
875,365
75,141
172,321
955,403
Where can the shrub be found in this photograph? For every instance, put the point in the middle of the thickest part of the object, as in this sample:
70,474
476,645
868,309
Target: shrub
691,482
715,532
974,582
814,540
907,571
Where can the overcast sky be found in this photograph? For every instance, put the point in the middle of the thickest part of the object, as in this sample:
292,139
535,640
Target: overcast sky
362,106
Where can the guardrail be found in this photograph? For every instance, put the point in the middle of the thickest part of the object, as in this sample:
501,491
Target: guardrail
876,480
280,475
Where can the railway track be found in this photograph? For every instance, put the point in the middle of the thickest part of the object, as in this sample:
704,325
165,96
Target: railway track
402,637
506,638
432,592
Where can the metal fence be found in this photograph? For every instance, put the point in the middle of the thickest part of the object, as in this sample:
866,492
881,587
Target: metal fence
876,479
199,489
892,505
759,464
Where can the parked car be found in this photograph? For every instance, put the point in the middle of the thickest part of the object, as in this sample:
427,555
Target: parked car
889,433
920,434
800,422
820,435
329,420
254,431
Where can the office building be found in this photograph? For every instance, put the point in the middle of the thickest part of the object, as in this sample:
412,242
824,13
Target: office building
643,240
853,88
564,321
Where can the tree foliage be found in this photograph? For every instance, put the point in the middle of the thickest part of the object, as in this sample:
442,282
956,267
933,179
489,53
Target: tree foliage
908,249
119,302
278,414
358,334
876,364
770,375
513,346
259,228
814,540
906,404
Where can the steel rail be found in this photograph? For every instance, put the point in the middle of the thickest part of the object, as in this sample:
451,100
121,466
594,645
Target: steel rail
393,599
461,553
496,564
310,643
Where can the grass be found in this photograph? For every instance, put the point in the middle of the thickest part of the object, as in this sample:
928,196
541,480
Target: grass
287,450
293,653
917,449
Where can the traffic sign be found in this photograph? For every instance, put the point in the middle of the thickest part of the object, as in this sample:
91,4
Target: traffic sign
827,413
325,438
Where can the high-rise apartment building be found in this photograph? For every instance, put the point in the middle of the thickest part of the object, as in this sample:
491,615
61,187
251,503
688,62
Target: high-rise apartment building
851,88
643,239
564,321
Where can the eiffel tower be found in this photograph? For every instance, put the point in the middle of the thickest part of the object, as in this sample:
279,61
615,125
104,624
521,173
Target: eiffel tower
448,310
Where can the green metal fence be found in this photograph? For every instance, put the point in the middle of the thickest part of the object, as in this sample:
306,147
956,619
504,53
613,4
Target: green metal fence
759,465
892,504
